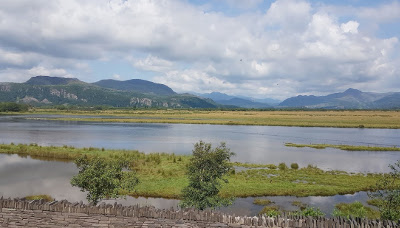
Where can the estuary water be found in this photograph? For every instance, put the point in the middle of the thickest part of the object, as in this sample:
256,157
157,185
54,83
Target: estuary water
253,144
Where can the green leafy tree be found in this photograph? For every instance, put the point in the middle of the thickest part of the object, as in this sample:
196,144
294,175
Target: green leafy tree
103,178
206,171
387,193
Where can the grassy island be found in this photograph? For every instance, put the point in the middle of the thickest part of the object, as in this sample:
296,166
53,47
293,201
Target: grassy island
344,147
163,175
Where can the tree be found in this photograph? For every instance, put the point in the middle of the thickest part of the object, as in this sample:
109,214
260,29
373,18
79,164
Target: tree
387,193
205,172
103,178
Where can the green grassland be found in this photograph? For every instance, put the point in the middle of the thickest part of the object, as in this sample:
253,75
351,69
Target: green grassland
344,147
342,119
163,175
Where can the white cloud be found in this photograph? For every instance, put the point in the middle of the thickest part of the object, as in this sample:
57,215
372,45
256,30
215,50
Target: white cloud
195,81
46,71
297,45
383,13
116,76
152,63
350,27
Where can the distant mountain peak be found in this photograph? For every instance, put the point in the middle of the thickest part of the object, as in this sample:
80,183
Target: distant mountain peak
48,80
349,99
352,91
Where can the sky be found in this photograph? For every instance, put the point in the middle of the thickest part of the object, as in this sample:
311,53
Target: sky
255,48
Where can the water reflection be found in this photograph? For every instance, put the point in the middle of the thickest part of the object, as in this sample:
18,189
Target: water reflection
254,144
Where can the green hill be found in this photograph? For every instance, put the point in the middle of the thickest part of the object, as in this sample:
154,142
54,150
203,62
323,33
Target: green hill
138,85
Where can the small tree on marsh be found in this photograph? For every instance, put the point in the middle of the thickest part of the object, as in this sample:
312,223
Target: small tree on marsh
387,193
103,178
205,172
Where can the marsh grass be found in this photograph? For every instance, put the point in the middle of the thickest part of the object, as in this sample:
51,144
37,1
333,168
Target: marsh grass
344,147
46,198
163,175
343,119
356,210
270,211
375,202
263,202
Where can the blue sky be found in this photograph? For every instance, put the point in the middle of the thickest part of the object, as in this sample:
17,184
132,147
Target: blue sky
264,49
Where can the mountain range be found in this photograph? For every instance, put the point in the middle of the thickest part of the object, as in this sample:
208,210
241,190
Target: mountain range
243,102
46,90
349,99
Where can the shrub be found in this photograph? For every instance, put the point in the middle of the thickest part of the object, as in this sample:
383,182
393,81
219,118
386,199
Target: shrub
294,166
282,166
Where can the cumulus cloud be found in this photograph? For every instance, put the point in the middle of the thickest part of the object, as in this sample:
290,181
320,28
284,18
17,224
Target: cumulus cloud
152,63
292,47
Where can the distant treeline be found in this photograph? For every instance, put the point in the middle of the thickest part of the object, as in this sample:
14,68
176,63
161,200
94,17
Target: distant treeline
13,107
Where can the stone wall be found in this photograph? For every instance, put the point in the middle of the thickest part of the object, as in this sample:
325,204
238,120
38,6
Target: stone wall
37,213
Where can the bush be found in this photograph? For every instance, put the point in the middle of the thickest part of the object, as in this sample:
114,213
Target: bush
294,166
282,166
102,179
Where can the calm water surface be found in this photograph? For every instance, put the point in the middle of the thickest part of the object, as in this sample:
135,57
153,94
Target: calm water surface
20,177
253,144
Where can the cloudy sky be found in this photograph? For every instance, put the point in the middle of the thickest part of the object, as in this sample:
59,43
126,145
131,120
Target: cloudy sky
265,49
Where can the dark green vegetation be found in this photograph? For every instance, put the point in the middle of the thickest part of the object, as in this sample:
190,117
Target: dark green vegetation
103,178
51,91
13,107
386,195
163,175
205,171
345,147
355,210
349,99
